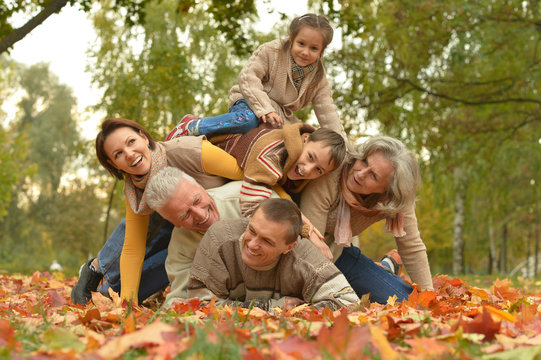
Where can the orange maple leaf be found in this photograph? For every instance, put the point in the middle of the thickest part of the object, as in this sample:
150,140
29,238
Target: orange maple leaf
296,348
502,290
335,338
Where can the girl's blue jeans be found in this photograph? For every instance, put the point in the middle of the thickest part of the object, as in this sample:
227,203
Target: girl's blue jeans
365,276
153,275
238,120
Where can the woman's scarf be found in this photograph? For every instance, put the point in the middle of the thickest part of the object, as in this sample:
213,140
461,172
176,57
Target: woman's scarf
135,185
348,200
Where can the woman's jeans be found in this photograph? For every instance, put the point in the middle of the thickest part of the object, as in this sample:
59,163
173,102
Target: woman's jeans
365,276
153,275
238,120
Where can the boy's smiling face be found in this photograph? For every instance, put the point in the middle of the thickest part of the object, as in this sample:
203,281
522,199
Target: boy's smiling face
314,161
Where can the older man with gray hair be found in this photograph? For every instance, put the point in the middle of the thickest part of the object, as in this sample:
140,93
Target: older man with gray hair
179,199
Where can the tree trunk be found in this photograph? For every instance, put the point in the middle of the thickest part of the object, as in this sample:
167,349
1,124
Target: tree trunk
528,255
458,228
503,250
492,258
536,247
18,34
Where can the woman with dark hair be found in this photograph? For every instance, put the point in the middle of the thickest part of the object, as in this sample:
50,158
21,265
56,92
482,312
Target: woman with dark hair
129,153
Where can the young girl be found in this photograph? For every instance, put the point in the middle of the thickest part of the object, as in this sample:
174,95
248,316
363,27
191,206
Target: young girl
281,77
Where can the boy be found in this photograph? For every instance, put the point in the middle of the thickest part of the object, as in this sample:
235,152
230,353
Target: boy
283,159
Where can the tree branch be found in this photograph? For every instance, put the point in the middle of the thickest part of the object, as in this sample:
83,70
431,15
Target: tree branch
18,34
470,102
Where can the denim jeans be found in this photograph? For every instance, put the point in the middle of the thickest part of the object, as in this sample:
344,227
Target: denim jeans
238,120
365,276
153,275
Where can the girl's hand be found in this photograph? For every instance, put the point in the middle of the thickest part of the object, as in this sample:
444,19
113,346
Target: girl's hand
274,119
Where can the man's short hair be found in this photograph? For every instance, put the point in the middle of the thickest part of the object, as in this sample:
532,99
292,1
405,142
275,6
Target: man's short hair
162,186
283,211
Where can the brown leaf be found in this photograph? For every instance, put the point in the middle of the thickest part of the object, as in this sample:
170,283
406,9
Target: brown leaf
482,324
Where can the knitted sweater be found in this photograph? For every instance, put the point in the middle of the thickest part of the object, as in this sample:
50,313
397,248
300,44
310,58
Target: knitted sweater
183,153
266,84
303,273
266,155
319,203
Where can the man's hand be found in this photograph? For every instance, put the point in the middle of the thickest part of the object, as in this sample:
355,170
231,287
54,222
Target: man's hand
274,119
292,302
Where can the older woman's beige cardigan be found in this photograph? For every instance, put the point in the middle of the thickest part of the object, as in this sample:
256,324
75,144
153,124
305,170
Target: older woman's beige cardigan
319,203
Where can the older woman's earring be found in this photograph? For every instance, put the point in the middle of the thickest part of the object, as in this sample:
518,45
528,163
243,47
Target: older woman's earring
148,145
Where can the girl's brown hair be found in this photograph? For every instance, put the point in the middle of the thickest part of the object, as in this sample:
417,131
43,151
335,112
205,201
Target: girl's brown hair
107,127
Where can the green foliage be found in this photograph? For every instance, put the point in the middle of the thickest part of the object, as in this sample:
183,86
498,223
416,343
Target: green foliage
181,65
459,81
51,215
12,156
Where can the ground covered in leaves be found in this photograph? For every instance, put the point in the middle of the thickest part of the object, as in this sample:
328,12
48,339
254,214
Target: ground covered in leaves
456,321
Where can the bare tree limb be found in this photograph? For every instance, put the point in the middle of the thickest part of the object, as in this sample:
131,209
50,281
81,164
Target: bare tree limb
470,102
18,34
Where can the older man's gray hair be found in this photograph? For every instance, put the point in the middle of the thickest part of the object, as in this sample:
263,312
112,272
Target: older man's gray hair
162,186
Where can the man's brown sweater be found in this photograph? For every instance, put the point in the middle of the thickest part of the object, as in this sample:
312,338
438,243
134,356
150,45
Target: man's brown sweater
303,273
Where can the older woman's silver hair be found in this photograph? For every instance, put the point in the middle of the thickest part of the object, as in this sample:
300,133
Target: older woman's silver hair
162,186
406,178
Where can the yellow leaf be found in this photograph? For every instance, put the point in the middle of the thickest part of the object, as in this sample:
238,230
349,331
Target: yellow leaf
478,292
297,309
391,300
357,319
499,314
381,343
272,336
115,297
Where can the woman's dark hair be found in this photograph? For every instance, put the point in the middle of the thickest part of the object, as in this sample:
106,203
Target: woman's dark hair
107,127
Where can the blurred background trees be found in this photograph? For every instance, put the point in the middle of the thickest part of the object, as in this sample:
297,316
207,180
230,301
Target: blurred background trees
457,81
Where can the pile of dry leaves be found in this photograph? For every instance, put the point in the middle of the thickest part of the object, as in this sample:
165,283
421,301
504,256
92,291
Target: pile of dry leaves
457,320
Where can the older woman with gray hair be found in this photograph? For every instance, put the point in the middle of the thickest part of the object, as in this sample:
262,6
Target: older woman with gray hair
378,181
